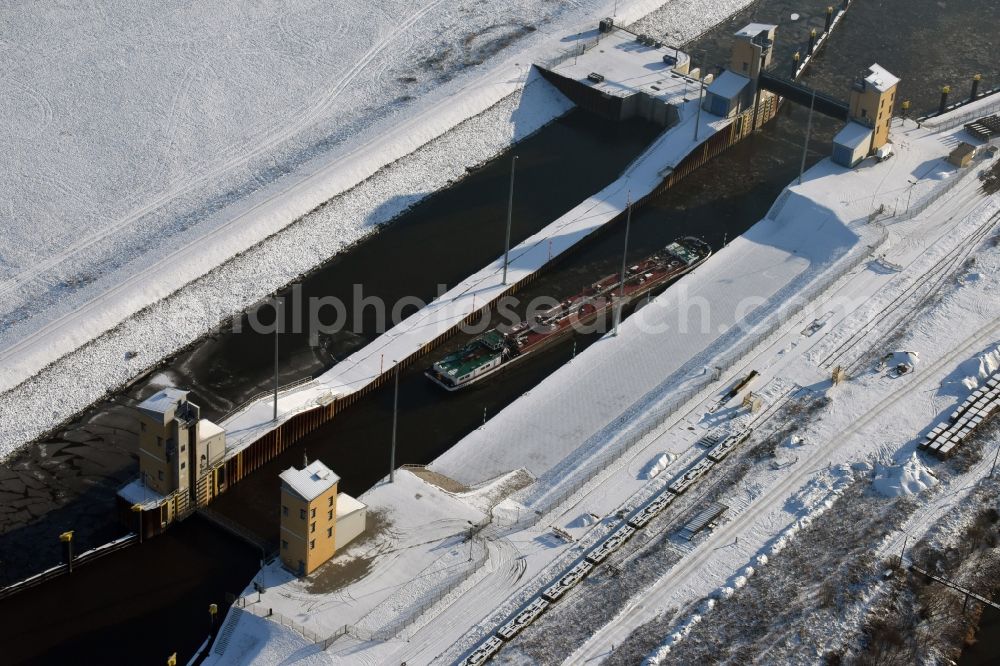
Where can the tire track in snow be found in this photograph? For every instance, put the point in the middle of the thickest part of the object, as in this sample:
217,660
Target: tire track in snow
262,146
508,570
16,282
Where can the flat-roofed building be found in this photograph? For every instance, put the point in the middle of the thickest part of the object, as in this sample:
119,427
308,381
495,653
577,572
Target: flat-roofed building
752,49
873,96
179,457
167,429
316,519
728,95
851,144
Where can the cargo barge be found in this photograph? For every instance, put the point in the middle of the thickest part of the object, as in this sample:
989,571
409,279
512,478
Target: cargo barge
497,349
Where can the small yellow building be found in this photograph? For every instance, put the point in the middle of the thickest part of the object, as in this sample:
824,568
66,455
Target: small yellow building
962,155
733,91
873,97
752,49
316,520
179,454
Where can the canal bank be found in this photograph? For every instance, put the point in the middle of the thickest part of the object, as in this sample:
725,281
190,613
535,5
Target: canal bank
225,369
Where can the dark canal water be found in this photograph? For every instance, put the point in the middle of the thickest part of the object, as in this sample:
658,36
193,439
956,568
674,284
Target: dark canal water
986,650
137,606
69,481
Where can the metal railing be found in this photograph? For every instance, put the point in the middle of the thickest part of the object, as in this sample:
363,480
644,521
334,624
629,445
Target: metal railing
969,116
263,394
925,202
414,613
575,51
60,569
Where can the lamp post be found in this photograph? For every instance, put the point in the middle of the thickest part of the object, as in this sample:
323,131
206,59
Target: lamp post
805,146
510,209
701,93
277,318
628,223
395,416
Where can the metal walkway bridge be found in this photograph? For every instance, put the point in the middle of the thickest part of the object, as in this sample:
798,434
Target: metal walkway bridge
801,94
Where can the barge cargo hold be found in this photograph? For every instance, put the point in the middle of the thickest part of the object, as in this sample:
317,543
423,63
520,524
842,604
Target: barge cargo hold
497,349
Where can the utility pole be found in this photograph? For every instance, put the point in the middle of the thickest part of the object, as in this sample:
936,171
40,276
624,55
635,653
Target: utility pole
395,415
994,463
805,148
277,319
628,224
902,550
510,210
701,92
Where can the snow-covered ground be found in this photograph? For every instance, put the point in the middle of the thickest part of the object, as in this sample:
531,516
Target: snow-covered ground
875,417
918,266
151,147
180,210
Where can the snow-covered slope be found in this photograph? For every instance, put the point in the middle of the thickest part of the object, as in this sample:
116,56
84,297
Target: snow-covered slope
124,237
430,143
149,146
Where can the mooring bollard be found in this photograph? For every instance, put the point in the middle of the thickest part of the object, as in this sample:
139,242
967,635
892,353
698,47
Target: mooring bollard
944,99
67,540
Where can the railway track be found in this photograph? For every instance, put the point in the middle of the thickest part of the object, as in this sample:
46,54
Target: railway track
890,317
640,517
638,611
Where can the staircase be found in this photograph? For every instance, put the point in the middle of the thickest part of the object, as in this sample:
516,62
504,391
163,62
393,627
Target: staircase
222,640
